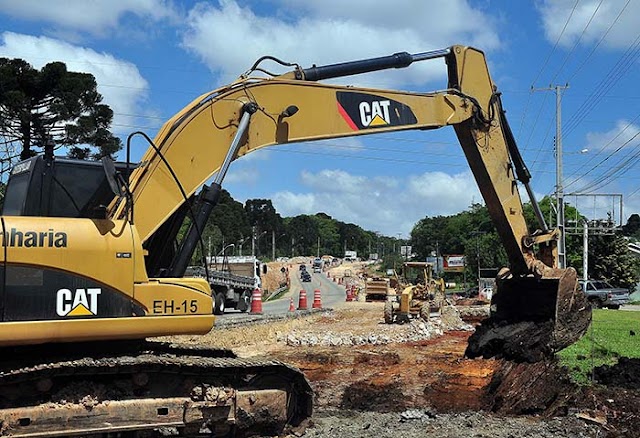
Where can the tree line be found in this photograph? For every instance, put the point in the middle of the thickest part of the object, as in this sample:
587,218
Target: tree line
256,227
470,233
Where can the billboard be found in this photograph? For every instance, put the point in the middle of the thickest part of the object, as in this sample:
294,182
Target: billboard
453,263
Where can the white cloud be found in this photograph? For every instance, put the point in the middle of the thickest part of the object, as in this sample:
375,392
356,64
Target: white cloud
82,15
229,38
616,138
119,81
443,193
334,181
390,205
555,14
242,175
611,156
293,204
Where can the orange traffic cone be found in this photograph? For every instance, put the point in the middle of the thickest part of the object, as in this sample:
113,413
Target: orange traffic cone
291,308
256,302
349,294
317,301
302,300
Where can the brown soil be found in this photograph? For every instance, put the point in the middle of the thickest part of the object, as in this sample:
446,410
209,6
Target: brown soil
434,376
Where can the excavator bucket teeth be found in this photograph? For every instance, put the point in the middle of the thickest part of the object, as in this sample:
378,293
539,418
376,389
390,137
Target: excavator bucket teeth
533,317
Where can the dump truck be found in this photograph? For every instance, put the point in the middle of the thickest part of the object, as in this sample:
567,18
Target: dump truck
377,289
233,280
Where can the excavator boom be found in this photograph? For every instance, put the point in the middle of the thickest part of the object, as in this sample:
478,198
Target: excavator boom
253,113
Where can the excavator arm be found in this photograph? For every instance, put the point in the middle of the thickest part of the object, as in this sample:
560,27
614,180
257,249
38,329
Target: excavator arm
252,113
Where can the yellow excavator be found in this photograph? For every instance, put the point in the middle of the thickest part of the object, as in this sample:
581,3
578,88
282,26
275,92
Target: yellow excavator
90,268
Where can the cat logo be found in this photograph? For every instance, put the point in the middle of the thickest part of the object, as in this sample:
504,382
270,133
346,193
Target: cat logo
367,111
82,302
375,113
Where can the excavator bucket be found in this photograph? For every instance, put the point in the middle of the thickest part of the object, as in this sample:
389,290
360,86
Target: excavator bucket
532,317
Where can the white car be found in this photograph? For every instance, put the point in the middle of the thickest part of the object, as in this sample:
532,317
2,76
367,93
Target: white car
486,293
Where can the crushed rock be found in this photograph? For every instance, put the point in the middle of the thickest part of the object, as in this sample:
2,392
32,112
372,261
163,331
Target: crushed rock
414,331
356,424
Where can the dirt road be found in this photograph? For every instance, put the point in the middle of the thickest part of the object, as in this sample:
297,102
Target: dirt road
376,380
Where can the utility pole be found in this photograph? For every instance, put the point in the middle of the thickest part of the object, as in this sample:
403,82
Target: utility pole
585,251
318,246
273,245
478,255
253,241
562,252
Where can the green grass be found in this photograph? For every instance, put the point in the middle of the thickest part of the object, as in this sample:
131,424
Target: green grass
607,339
278,295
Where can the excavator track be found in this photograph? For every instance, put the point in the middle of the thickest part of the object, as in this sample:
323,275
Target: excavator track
146,389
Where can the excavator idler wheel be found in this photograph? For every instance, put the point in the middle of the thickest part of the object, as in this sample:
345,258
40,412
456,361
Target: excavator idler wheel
532,318
295,408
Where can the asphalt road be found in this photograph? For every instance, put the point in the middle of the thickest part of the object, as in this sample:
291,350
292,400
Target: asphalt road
332,295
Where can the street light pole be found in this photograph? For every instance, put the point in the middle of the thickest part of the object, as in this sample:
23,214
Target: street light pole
477,234
478,255
253,241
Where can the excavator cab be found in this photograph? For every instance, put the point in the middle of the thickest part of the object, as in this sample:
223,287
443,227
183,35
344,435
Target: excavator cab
59,187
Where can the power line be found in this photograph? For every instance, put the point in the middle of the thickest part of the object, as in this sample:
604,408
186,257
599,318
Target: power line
602,149
616,72
555,44
614,173
604,35
568,55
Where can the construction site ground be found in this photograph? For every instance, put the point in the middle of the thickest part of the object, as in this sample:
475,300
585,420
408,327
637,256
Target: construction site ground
376,380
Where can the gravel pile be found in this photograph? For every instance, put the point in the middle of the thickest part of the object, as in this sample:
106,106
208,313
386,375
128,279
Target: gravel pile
426,423
414,331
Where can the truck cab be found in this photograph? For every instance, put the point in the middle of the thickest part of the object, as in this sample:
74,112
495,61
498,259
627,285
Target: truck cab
602,294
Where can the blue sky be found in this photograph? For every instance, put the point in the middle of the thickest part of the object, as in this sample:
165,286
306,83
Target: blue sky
152,57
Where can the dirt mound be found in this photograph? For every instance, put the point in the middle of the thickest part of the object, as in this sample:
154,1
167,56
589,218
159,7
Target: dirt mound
530,388
275,278
624,374
365,396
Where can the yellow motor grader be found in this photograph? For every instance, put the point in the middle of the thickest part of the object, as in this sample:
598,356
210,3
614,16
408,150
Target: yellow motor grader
417,294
